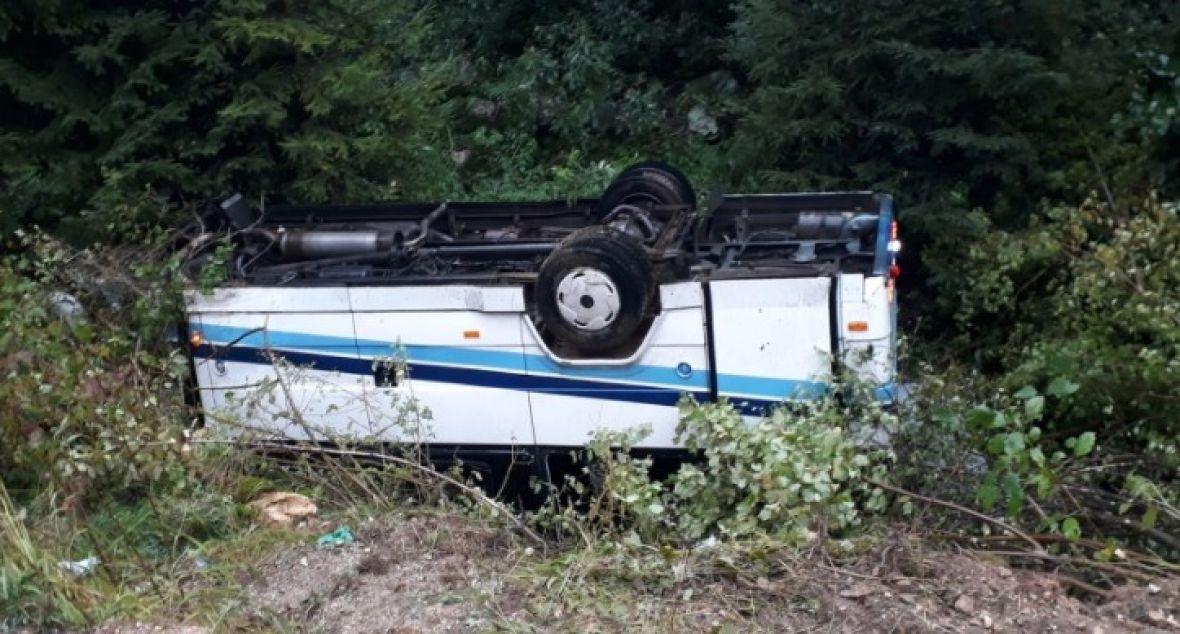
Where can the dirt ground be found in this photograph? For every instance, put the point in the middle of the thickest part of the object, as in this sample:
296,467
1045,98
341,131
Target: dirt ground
447,574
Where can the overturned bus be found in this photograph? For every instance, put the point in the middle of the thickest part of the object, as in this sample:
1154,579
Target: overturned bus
510,332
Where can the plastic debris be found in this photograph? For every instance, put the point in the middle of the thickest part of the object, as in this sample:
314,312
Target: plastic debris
282,508
79,568
339,537
67,307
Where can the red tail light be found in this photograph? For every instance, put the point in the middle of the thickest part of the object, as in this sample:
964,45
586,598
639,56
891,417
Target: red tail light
894,240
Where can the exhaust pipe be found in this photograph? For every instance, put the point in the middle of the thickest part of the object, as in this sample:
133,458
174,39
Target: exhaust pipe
314,244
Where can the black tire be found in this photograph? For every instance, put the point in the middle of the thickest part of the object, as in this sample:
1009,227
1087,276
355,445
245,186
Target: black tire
648,183
618,274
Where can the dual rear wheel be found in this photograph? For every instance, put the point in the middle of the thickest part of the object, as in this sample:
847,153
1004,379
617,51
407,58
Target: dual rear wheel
597,288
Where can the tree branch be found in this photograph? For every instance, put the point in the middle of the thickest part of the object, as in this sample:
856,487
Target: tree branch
962,509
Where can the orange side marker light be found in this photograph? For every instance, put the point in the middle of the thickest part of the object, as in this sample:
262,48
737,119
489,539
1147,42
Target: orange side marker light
471,334
858,326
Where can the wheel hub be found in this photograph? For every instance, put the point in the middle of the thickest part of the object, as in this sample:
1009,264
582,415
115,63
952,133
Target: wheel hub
588,299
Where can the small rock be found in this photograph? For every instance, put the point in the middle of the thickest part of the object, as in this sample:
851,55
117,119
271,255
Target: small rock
965,604
1157,616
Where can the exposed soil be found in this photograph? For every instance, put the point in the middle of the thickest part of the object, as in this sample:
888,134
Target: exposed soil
425,574
445,574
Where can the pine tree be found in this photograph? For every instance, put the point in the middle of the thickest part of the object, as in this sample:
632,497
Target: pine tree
300,100
947,103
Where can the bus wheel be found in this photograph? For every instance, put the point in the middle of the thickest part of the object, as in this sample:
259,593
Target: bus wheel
648,184
595,289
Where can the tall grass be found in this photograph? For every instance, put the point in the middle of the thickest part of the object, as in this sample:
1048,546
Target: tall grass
34,589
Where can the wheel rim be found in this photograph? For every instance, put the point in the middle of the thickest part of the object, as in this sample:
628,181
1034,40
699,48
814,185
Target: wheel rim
588,299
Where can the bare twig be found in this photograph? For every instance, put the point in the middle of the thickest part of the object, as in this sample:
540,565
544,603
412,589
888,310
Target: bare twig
1154,533
1143,560
1082,585
1101,177
1074,561
962,509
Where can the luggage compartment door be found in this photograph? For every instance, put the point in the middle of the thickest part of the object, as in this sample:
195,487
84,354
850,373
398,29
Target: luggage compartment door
448,364
868,332
772,340
572,399
281,363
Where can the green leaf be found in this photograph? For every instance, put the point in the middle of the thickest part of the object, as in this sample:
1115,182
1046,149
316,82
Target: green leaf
1013,443
1061,387
1071,529
1034,407
987,493
1026,392
1013,493
1037,456
1043,483
1085,444
1149,517
981,417
996,444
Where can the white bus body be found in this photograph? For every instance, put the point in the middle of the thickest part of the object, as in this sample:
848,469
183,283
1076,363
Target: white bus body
341,355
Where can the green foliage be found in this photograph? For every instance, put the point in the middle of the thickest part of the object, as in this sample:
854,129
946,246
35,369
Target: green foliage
794,475
311,101
1076,424
1020,463
33,588
950,105
944,103
1083,301
612,81
91,402
1154,115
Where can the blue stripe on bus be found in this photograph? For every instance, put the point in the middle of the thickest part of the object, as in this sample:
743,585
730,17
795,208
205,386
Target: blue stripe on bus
345,354
478,377
762,387
556,385
511,360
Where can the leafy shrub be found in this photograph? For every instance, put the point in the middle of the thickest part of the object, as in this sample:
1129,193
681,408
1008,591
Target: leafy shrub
794,475
91,401
1069,416
1085,295
1113,328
